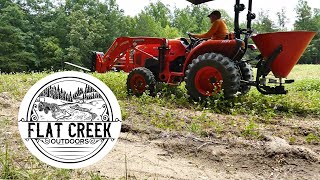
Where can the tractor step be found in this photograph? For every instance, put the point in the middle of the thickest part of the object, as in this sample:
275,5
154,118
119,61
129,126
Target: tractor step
289,81
174,84
276,81
273,81
177,74
175,78
248,83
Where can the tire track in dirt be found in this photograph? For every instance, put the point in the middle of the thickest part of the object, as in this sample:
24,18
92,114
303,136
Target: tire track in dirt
147,160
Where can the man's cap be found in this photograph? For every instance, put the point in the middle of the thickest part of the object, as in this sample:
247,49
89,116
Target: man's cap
215,13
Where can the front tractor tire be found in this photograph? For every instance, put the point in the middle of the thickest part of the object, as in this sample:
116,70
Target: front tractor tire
210,74
141,80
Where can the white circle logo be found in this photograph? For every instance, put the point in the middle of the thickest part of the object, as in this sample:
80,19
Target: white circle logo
69,120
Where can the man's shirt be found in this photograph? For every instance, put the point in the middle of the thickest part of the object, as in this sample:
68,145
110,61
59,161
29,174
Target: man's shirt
218,31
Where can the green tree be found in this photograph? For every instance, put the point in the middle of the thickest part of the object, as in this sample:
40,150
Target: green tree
282,20
147,26
160,12
304,16
184,21
42,34
264,23
16,51
200,13
170,32
307,20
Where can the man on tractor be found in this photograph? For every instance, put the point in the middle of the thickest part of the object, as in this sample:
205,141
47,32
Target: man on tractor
218,30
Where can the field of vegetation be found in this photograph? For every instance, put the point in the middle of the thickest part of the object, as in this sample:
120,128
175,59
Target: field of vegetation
294,117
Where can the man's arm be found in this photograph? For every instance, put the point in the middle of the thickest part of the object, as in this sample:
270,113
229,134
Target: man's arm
210,33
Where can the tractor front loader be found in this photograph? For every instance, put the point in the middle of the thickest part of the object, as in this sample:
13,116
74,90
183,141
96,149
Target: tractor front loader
207,66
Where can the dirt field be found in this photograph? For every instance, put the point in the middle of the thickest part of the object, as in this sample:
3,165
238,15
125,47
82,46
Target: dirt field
189,158
146,152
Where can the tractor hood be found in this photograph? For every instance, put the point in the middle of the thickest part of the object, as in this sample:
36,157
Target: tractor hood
196,2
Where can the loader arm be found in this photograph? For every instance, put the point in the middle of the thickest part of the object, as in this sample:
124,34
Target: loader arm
119,52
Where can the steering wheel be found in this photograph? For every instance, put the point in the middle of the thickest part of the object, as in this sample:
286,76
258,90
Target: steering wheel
194,41
192,38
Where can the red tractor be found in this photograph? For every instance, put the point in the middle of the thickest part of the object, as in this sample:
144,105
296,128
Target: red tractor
207,66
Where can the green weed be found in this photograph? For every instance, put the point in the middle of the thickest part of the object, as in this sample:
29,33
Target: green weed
292,140
312,138
251,130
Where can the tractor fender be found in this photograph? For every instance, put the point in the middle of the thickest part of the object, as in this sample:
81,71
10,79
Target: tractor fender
228,48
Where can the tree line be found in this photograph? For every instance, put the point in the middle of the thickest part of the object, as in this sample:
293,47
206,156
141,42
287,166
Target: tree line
38,35
56,93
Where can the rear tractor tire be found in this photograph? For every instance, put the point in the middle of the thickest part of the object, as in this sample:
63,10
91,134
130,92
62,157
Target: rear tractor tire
141,80
211,73
246,75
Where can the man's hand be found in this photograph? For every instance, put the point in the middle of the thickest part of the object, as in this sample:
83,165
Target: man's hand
191,34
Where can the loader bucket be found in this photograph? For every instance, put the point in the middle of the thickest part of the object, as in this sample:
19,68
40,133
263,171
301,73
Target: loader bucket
292,44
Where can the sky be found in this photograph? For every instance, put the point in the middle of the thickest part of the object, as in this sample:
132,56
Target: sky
133,7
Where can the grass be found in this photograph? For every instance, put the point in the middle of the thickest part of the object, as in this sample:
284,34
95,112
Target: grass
5,163
250,130
243,115
303,97
312,138
19,166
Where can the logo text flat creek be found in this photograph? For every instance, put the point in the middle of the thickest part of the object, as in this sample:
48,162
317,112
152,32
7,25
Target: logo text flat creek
69,120
82,131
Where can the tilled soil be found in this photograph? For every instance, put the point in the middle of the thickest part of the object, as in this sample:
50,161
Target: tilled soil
146,152
187,157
